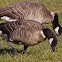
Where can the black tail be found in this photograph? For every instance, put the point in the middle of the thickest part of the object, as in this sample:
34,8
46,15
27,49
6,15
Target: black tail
51,37
56,25
3,28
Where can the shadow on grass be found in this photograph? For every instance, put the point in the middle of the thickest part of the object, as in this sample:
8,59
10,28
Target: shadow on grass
4,51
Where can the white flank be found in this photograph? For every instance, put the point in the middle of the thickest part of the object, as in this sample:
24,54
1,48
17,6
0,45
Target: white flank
42,34
56,29
6,18
0,32
11,40
52,13
20,43
50,40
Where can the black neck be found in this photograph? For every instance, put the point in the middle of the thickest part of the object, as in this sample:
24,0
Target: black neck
55,21
48,33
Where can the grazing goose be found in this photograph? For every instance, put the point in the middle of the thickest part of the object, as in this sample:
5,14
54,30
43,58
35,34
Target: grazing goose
30,10
28,33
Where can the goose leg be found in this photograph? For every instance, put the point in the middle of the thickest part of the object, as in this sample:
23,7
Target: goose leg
25,49
14,49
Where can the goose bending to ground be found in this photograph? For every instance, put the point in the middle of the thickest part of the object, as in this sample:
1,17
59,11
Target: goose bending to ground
30,10
28,33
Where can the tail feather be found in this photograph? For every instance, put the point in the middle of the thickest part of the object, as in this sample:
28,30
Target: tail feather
7,12
4,9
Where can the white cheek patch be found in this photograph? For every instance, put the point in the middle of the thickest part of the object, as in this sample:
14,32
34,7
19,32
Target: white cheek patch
42,34
6,18
56,30
50,40
52,13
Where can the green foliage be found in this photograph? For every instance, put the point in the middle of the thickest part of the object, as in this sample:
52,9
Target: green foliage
38,53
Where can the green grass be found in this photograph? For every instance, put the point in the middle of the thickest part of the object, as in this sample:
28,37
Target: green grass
38,53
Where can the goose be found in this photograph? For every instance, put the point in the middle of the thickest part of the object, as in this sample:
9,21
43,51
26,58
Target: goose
27,33
31,10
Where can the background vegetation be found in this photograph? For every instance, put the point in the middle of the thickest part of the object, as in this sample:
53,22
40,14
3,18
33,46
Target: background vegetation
38,53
